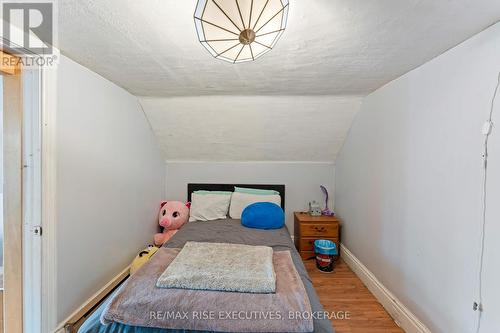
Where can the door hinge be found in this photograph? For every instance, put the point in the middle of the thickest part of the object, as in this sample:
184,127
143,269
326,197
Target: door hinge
37,230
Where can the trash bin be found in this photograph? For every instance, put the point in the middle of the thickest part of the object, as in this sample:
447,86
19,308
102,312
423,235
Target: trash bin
325,250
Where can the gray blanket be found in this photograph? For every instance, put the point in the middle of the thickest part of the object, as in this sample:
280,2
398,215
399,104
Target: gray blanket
229,231
221,267
140,303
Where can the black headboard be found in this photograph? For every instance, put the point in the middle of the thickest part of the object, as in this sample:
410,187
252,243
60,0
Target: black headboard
230,187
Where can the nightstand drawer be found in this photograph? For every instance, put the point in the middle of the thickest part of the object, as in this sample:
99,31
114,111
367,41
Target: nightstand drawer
330,230
307,244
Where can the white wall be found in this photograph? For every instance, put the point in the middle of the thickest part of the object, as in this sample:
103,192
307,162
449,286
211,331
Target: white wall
110,179
251,128
302,179
408,186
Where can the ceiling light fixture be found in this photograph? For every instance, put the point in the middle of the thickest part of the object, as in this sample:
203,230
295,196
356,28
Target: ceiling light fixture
240,30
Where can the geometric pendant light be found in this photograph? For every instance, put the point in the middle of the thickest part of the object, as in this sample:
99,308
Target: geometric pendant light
240,30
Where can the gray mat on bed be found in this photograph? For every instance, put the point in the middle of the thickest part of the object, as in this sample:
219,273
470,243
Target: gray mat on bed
221,267
228,231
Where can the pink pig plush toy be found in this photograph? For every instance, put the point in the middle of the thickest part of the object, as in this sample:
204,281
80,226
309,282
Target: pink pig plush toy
173,215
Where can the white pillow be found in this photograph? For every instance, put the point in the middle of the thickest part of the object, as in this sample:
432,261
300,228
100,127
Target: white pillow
208,206
239,201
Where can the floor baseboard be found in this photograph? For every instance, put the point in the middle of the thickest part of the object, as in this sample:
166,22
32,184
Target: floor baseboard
398,311
67,326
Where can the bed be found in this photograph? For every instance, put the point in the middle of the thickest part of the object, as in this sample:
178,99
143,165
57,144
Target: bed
222,231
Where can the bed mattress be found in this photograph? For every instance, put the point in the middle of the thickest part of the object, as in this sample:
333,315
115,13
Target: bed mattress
228,231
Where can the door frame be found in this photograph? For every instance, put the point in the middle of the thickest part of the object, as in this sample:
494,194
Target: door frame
32,198
23,195
42,138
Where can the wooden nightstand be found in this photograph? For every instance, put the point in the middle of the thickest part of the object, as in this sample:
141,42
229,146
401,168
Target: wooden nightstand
309,228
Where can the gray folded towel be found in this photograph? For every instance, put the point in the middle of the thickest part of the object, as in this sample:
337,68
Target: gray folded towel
221,267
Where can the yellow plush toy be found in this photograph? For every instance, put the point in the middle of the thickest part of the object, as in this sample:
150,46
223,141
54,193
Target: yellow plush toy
142,258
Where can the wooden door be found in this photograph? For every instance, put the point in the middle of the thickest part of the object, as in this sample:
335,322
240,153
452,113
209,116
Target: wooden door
12,196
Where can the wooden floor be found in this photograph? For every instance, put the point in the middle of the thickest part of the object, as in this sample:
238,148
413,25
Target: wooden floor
343,292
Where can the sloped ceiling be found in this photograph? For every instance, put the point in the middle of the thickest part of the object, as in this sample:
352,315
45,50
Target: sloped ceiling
331,47
251,128
276,108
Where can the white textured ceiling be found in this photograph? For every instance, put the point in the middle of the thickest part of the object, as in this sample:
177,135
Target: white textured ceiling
251,128
331,47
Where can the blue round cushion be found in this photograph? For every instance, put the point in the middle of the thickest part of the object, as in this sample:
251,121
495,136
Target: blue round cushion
263,215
